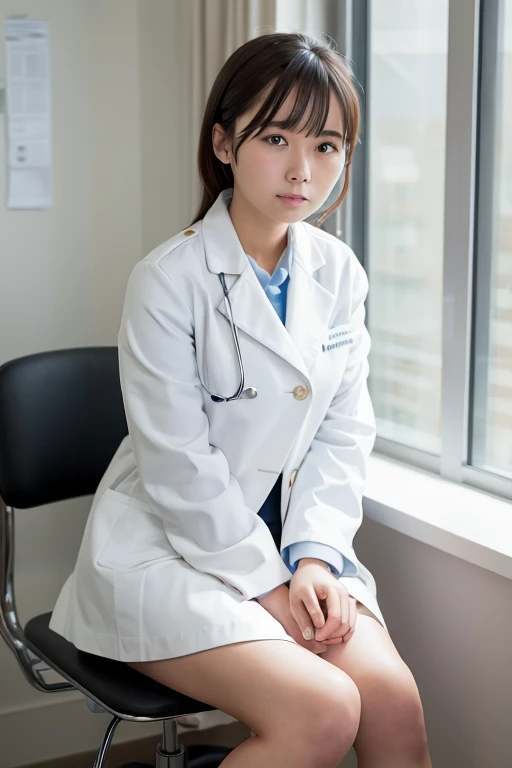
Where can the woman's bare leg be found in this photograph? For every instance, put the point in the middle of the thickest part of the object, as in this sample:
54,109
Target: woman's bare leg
392,727
305,712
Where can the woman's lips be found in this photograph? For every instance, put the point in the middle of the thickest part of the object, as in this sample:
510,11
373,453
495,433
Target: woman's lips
293,201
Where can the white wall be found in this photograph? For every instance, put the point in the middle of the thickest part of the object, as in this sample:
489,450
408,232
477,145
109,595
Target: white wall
62,280
62,272
119,176
164,132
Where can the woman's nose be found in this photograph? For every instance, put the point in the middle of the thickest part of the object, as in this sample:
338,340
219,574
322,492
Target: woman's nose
300,173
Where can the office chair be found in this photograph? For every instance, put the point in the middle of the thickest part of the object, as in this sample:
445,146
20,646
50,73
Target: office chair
61,420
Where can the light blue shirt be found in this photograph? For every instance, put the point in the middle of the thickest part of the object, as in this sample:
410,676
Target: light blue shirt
276,289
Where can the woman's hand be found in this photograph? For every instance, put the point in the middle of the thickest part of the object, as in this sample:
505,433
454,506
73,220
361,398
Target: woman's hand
319,602
277,603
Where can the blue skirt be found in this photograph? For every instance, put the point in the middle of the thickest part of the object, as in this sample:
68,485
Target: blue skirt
270,512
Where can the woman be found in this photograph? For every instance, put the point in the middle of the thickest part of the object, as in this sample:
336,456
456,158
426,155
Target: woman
227,515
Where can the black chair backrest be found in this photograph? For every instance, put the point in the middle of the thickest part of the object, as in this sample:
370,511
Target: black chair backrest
62,419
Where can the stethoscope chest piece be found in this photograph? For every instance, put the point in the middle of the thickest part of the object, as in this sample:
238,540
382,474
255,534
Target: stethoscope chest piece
246,394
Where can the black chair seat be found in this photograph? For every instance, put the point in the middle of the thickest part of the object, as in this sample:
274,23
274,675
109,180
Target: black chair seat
116,685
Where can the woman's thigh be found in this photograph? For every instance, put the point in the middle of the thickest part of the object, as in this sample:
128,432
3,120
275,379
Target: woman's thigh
370,646
267,684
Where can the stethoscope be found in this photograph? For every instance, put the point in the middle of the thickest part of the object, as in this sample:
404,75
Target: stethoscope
241,393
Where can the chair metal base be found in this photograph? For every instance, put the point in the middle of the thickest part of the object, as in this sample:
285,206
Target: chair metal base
169,753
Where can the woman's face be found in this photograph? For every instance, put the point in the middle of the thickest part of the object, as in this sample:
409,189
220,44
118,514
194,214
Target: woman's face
280,162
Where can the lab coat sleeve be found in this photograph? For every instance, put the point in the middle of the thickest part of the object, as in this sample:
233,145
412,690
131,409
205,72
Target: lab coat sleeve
326,498
187,480
295,552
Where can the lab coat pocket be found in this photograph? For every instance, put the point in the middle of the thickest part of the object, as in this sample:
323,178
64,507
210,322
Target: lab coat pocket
136,539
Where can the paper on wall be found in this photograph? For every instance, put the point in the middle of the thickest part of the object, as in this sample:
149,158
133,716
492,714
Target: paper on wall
29,150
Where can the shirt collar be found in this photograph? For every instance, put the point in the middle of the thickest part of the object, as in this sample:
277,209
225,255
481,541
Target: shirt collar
282,270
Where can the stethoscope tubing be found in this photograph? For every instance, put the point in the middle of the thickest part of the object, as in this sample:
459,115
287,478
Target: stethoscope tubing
220,398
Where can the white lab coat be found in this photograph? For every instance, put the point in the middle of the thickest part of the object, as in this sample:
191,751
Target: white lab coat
173,549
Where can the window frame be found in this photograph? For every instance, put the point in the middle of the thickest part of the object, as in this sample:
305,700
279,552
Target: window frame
473,27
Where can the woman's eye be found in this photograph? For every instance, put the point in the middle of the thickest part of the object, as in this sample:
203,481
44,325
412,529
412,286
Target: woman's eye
274,136
277,136
328,144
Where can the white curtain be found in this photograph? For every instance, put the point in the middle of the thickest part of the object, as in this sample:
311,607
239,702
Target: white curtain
212,30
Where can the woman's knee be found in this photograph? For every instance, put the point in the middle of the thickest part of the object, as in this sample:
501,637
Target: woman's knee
394,712
401,699
330,721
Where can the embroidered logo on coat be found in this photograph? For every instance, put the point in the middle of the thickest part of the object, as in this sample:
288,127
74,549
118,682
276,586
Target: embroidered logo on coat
339,336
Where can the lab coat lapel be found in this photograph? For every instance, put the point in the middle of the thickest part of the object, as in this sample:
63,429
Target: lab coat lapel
309,304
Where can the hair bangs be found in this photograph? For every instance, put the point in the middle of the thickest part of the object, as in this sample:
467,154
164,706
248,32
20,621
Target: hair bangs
307,75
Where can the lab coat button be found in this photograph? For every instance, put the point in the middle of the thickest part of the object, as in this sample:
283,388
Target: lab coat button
292,477
300,392
189,232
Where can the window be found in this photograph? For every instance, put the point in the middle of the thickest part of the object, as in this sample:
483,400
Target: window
492,369
406,107
429,213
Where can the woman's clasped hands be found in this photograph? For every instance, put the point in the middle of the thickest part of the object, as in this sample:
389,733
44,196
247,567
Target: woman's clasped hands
316,610
321,606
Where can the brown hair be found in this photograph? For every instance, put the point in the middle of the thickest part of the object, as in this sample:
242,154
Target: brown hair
283,60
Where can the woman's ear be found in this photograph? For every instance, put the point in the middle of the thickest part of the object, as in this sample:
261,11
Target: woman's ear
221,145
